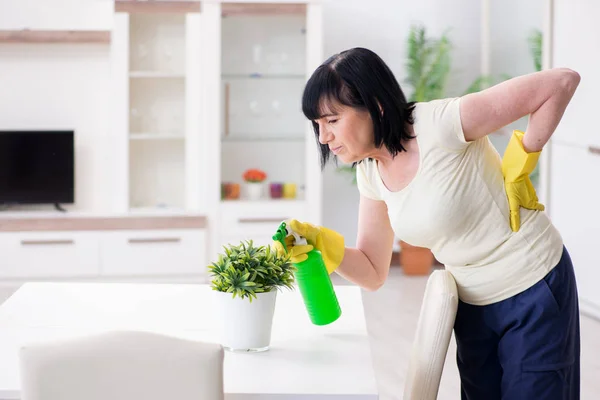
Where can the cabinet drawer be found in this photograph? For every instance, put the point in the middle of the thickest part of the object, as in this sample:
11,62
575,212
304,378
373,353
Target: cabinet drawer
149,252
49,254
258,239
250,218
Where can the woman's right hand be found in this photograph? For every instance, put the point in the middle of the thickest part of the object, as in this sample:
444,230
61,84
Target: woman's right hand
328,242
297,253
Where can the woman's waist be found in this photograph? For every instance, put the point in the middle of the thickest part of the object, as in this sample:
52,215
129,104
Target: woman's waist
508,269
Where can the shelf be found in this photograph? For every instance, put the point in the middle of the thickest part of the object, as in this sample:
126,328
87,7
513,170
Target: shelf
157,211
156,74
263,76
267,202
156,136
230,9
145,219
42,36
256,138
157,6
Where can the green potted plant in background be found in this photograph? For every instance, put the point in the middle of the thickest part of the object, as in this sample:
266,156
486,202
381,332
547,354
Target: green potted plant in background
245,280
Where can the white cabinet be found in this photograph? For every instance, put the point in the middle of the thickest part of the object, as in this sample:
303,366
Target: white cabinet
90,248
154,252
49,254
261,54
575,146
575,32
245,220
156,68
575,196
202,94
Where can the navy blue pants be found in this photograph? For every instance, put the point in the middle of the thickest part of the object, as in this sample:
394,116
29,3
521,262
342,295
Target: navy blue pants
525,347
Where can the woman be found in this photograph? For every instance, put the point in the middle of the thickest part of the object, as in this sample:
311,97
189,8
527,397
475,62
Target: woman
428,174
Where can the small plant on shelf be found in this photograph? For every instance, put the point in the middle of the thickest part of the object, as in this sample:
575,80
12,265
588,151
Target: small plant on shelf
247,270
254,175
254,179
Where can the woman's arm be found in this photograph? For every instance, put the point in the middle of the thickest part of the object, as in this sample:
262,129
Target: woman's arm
368,264
542,95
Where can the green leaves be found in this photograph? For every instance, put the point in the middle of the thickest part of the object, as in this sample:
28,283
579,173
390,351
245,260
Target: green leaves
350,170
535,48
246,270
428,64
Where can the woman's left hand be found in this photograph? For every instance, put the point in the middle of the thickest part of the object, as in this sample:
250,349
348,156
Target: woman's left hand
517,164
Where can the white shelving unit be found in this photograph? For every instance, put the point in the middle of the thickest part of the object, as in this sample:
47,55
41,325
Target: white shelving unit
177,133
203,94
264,52
156,66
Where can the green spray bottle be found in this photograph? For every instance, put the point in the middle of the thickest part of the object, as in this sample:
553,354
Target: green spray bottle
313,280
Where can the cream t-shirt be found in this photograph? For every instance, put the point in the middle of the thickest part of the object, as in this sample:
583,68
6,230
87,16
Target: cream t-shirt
456,205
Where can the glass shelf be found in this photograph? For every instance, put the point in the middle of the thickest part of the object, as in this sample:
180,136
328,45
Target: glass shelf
262,138
156,136
266,201
156,74
263,76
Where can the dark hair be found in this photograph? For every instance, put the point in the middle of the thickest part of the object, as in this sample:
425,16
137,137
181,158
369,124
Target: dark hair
359,78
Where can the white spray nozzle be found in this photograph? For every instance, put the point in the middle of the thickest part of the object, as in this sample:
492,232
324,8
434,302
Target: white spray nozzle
298,240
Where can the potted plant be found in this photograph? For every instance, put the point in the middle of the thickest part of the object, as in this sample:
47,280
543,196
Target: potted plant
254,179
245,280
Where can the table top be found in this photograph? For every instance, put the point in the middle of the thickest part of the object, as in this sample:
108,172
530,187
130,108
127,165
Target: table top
304,359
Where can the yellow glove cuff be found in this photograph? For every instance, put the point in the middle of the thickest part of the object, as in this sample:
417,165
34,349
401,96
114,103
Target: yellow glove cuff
516,162
334,248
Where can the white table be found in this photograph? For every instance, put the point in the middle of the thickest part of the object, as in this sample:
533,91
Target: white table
304,362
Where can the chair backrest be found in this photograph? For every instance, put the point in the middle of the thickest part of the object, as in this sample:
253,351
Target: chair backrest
432,337
122,365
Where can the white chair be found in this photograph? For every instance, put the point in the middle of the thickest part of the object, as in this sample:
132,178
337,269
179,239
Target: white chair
122,365
432,337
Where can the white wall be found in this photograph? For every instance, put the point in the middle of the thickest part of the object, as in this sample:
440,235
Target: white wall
68,85
511,23
58,86
64,86
56,14
383,27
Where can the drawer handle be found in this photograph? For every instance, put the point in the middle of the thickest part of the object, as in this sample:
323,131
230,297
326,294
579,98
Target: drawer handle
594,150
154,240
46,242
259,220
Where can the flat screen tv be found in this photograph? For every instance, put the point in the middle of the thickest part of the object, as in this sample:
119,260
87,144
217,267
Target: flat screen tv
37,167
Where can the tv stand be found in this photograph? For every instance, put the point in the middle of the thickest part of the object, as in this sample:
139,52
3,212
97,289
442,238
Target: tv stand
59,208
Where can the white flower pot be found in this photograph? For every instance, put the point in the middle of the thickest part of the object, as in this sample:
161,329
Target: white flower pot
254,190
245,326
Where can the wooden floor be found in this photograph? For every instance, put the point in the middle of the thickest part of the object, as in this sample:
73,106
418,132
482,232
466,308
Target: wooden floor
392,314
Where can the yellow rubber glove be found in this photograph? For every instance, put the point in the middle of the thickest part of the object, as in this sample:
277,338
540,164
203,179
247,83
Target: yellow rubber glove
327,241
517,164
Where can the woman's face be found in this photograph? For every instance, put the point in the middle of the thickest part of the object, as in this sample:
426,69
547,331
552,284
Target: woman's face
348,132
